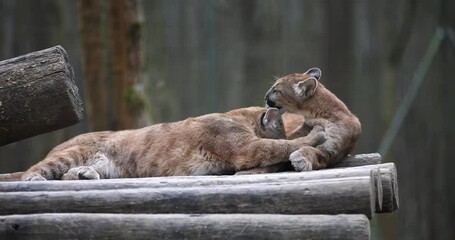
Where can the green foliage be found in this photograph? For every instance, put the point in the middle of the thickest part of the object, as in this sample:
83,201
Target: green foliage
135,100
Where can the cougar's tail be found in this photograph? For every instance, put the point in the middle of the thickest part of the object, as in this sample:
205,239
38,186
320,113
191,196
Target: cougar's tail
56,164
16,176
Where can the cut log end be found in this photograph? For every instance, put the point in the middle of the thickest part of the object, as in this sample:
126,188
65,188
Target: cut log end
37,94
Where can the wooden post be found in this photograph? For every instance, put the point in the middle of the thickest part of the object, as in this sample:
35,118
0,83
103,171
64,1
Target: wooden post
182,226
37,95
353,195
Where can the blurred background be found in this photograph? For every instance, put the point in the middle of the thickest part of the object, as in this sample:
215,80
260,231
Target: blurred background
141,62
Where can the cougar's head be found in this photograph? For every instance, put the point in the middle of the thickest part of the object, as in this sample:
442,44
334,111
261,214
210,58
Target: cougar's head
289,92
271,124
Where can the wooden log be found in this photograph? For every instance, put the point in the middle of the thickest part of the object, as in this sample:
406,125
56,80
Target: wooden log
377,181
182,181
386,190
182,226
359,160
193,181
354,195
390,194
389,180
37,94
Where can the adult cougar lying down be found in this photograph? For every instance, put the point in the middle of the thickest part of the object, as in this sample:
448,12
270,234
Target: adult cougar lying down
218,143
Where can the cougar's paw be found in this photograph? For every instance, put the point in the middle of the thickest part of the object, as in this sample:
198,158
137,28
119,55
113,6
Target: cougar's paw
33,177
299,162
88,173
317,135
81,173
321,137
318,128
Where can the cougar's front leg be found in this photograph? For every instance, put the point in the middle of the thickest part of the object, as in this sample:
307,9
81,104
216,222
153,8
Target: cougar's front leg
266,152
303,131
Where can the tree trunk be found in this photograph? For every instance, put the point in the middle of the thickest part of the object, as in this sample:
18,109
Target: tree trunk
93,64
125,32
37,95
181,226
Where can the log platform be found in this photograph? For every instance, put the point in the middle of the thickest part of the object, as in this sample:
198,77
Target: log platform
334,203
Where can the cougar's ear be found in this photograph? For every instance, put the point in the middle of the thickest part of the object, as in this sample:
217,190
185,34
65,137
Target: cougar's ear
271,118
314,72
306,88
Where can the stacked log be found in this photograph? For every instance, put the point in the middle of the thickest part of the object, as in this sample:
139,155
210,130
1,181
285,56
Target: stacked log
333,203
183,226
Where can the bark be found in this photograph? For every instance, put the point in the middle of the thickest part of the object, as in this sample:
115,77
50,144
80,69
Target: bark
37,95
359,160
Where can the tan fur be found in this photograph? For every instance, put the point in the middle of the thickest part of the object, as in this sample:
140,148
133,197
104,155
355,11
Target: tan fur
11,176
293,125
210,144
302,93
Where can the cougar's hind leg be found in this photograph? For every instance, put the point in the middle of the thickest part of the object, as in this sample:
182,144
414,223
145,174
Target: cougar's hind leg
310,158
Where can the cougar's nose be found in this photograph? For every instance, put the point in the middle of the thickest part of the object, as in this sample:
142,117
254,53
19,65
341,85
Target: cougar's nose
270,103
267,99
